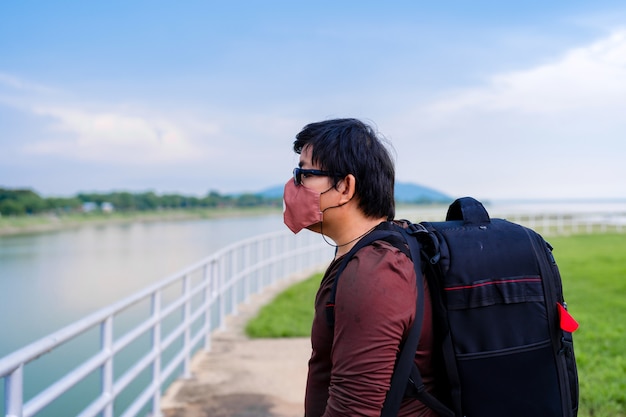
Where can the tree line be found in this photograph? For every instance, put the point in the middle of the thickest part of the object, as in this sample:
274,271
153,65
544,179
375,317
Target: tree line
21,202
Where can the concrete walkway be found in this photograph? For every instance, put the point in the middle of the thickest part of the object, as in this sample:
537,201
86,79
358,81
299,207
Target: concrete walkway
243,377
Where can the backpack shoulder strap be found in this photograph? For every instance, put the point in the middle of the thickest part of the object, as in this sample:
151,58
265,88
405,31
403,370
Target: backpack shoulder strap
405,364
406,379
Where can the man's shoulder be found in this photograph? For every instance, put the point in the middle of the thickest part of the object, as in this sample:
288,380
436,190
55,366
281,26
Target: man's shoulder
381,255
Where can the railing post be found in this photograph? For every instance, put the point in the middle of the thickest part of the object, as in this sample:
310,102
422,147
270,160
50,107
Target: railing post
259,273
106,340
267,268
280,268
298,259
233,284
13,392
156,347
248,282
208,300
187,321
220,292
274,250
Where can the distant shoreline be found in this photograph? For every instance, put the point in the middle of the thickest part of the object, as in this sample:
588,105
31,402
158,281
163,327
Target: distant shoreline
23,225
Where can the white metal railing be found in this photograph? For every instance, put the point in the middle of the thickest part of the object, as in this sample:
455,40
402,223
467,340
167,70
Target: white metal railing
551,224
196,300
546,223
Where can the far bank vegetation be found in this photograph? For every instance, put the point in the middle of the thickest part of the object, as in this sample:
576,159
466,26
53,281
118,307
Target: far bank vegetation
25,202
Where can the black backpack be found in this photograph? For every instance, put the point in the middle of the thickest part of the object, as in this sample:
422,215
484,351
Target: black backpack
504,342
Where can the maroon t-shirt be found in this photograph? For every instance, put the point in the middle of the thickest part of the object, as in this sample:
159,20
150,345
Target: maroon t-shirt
351,364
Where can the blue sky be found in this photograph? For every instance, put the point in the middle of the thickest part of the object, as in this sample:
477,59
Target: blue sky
491,99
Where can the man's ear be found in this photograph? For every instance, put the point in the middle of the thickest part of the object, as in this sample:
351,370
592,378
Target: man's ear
347,188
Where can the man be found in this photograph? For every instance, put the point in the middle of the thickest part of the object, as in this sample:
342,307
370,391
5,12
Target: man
343,189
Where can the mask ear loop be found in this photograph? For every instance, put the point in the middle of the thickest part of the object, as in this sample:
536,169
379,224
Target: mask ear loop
322,224
343,244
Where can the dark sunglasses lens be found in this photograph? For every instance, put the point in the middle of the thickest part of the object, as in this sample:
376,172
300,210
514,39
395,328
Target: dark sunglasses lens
297,176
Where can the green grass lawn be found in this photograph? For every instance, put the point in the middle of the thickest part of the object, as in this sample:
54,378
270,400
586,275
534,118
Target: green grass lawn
593,268
290,314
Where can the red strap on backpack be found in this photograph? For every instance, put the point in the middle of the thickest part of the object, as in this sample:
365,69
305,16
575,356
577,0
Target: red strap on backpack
566,320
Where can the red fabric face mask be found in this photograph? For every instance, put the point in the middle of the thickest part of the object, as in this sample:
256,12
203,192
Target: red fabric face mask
301,207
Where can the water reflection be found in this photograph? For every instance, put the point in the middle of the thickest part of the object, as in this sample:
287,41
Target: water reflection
49,280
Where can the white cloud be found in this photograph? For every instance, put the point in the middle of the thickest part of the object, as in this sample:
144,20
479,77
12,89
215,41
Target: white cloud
114,137
585,77
553,130
20,84
185,147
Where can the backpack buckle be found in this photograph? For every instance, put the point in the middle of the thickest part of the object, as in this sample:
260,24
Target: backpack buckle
429,243
567,346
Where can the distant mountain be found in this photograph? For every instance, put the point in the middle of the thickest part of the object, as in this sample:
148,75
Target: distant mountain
273,192
405,193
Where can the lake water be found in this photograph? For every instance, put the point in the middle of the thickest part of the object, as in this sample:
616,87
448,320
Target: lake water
50,280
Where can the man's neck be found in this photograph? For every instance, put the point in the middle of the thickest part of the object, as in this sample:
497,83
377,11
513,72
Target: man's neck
351,234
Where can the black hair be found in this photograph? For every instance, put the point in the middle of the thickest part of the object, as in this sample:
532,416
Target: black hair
349,146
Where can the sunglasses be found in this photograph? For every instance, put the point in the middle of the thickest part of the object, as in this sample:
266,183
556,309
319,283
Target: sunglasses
298,173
